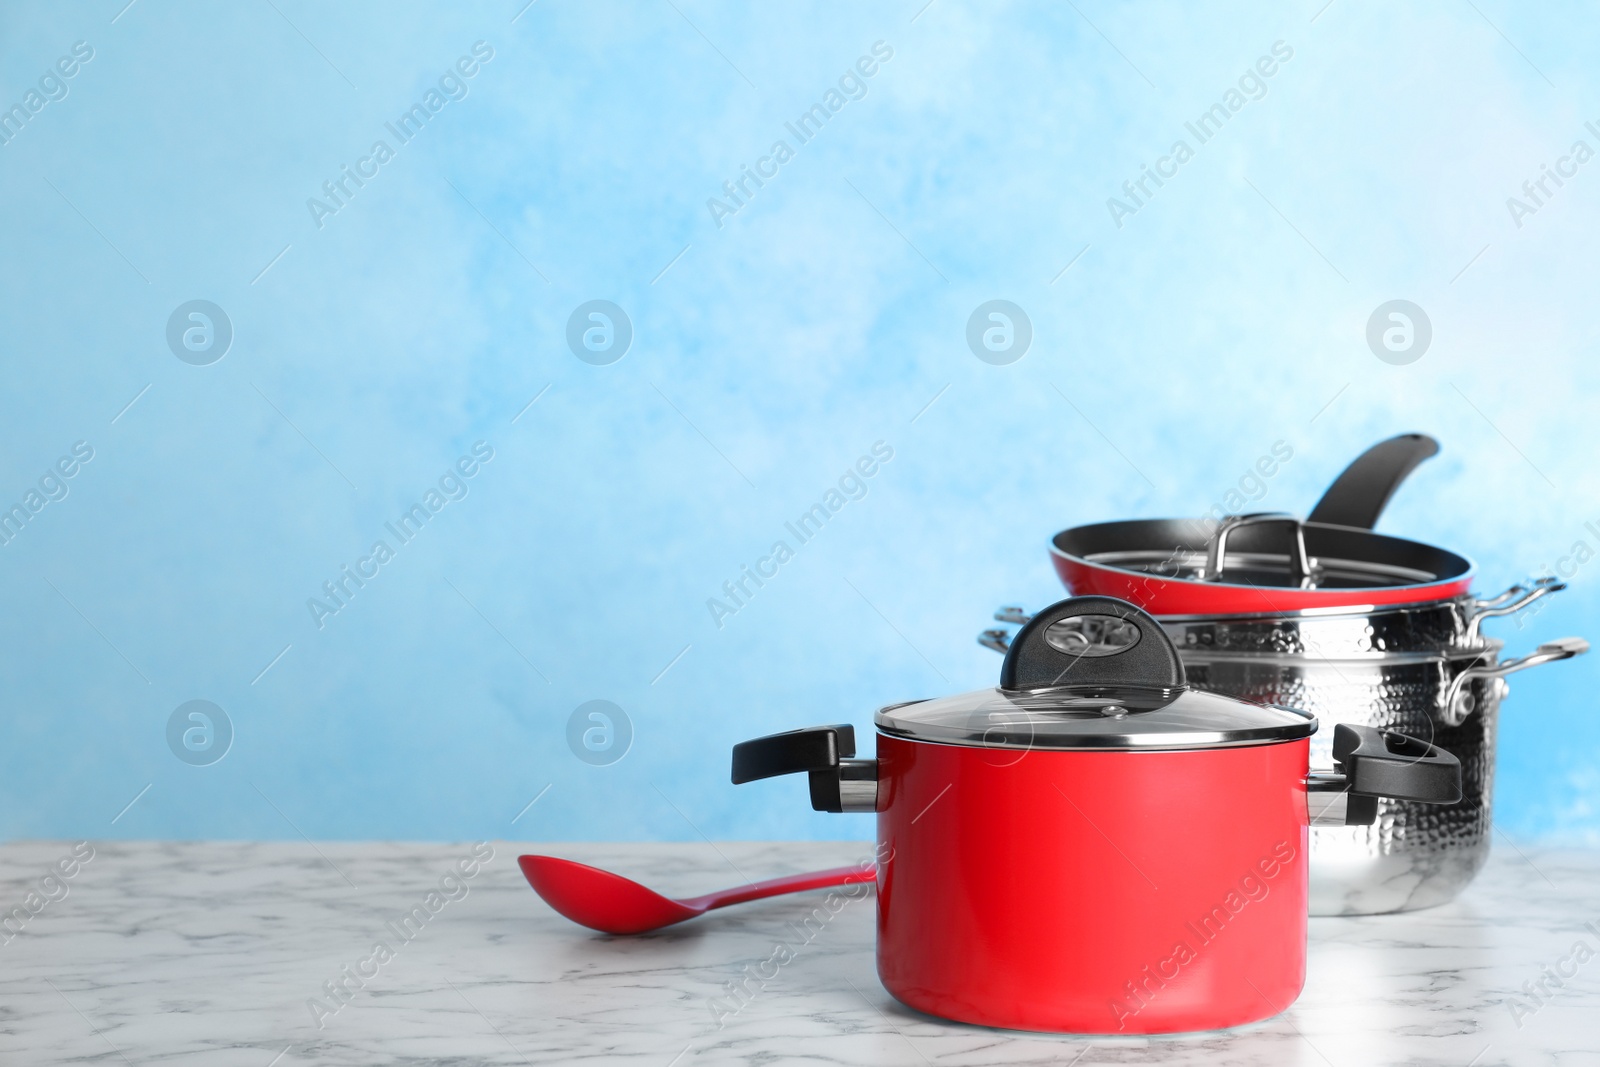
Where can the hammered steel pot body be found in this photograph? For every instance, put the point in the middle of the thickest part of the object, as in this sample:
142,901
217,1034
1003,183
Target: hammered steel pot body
1415,855
1449,626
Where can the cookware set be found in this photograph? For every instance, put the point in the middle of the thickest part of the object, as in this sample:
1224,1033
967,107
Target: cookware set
1422,666
1127,834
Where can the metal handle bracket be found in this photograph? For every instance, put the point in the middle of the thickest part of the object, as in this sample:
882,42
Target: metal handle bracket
1300,566
838,783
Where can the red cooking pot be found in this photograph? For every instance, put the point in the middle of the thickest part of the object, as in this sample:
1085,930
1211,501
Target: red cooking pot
1094,847
1271,562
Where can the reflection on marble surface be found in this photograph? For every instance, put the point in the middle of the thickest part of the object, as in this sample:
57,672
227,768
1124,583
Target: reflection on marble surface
209,953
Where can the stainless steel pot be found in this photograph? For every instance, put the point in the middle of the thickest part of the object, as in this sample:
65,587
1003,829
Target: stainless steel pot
1412,857
1424,670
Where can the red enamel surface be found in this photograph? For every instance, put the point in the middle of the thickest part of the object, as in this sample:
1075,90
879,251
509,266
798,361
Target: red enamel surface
1169,596
613,904
1042,890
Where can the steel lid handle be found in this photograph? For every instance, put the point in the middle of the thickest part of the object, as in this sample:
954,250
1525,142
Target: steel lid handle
1217,552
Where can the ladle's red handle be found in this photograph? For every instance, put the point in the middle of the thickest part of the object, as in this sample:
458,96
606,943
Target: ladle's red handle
794,883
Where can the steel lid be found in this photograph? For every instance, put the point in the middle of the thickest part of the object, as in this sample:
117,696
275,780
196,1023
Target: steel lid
1100,717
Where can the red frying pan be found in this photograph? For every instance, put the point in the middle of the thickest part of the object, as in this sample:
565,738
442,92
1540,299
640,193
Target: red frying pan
1271,562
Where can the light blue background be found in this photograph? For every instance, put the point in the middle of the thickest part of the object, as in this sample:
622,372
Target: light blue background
1227,314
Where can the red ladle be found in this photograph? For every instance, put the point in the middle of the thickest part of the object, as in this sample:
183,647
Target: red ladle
613,904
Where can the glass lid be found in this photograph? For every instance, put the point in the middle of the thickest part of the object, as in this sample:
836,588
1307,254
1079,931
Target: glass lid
1093,672
1094,717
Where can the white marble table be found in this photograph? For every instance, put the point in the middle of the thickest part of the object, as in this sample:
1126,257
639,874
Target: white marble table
201,953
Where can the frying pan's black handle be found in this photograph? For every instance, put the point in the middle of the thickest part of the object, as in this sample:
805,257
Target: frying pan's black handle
838,783
1358,496
1382,763
1091,640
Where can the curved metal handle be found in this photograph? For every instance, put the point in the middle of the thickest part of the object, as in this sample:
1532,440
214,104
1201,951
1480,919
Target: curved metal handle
1479,603
1457,700
1358,496
1510,602
1217,553
998,640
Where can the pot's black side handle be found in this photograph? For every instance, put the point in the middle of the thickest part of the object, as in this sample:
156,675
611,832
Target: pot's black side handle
1375,763
1091,640
838,783
1382,763
1358,496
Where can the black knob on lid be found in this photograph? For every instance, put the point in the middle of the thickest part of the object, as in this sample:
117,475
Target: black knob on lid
1092,640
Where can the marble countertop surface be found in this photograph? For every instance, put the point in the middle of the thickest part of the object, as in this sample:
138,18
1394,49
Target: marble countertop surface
263,955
